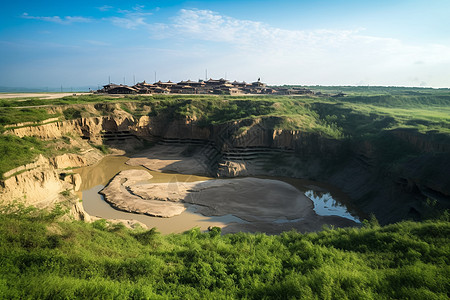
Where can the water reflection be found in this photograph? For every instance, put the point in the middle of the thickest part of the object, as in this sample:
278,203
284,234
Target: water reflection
325,205
327,199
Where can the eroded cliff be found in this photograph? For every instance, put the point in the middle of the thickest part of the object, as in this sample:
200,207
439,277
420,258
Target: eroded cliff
254,146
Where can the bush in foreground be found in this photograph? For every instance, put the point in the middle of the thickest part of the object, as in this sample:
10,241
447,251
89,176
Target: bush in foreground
43,258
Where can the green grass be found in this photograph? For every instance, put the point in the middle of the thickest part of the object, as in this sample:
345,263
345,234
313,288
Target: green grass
15,151
103,148
362,116
43,258
24,102
379,90
328,117
71,113
424,109
367,115
10,116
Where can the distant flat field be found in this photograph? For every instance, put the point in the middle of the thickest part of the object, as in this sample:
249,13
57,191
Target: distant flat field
38,95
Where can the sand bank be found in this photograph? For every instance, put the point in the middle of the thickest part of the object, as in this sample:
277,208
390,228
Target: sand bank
119,194
266,205
164,158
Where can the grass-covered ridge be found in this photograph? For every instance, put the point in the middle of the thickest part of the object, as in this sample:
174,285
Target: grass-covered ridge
378,90
421,109
16,151
19,115
366,114
41,257
334,118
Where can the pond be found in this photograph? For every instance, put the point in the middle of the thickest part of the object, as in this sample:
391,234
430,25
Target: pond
95,177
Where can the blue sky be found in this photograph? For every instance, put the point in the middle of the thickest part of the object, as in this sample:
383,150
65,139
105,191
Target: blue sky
53,43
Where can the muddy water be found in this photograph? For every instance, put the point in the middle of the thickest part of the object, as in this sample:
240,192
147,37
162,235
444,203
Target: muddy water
94,178
327,200
95,205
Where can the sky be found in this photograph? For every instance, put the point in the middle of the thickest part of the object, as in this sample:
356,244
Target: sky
322,42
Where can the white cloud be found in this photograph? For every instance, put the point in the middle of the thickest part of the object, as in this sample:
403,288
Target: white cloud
138,7
131,19
194,40
321,56
128,22
105,8
210,26
57,19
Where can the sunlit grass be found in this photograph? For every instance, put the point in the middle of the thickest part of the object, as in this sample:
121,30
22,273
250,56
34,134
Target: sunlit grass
41,257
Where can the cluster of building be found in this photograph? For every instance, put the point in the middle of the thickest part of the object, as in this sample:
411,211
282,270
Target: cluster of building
211,86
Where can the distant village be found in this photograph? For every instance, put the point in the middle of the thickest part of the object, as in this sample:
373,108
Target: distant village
211,86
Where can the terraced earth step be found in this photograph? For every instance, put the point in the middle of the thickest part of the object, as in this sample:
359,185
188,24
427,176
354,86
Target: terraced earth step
165,141
258,149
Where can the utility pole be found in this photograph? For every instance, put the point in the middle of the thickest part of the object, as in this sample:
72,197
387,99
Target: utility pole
155,76
109,79
206,74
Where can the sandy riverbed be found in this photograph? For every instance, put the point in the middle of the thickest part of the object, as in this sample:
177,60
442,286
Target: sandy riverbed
256,204
265,205
172,158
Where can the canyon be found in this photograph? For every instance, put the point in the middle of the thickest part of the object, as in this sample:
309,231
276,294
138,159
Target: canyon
243,148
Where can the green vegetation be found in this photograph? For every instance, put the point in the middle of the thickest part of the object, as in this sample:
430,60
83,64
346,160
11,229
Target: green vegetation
386,107
65,193
378,90
367,114
71,113
19,115
15,151
104,149
352,116
43,258
24,102
211,110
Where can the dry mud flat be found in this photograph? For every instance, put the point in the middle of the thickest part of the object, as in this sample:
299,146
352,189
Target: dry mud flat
263,205
164,158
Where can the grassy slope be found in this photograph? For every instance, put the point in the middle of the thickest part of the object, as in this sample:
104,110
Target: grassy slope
427,111
15,151
361,115
43,258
